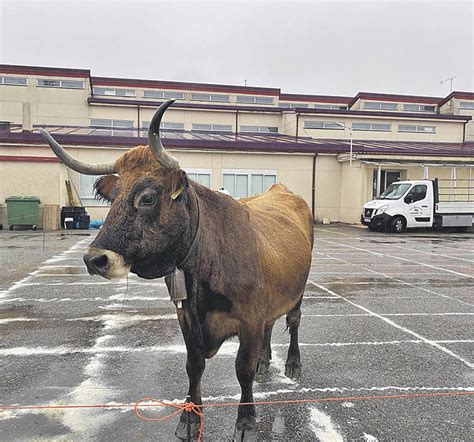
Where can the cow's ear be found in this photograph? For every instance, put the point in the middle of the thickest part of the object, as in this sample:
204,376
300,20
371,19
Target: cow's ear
179,183
105,187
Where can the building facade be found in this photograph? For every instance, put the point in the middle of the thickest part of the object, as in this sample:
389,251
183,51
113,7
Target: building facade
240,138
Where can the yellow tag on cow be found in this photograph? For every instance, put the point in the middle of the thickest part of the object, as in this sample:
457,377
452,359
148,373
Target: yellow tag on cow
176,193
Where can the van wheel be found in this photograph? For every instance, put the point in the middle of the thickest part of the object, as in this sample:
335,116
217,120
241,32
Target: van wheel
398,224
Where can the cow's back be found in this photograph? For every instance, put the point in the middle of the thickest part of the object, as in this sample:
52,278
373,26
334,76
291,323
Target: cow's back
283,224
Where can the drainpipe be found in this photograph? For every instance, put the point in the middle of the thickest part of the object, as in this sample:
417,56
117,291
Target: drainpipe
313,188
138,120
236,123
379,179
464,132
91,85
297,126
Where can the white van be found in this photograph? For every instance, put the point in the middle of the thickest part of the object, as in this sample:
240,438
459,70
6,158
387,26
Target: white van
408,204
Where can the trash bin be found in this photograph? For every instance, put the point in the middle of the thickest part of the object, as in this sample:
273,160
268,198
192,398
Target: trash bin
23,211
71,212
84,221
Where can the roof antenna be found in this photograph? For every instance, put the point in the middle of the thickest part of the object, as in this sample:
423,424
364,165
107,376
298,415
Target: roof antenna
450,79
245,83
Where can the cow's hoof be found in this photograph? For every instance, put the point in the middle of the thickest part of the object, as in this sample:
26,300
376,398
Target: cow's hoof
182,430
245,435
262,372
293,369
245,430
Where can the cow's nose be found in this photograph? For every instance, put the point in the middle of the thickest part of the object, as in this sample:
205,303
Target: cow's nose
96,264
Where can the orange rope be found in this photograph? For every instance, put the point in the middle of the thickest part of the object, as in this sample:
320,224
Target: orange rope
190,407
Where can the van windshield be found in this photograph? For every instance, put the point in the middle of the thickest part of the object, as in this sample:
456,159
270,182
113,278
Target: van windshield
394,191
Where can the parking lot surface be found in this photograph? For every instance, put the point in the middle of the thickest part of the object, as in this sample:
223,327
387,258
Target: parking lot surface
386,331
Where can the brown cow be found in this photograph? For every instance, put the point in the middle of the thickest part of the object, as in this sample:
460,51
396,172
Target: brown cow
245,262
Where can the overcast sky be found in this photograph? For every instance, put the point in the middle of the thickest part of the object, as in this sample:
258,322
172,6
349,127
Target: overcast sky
316,47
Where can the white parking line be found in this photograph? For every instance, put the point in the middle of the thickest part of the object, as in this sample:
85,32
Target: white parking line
425,252
406,283
404,329
400,258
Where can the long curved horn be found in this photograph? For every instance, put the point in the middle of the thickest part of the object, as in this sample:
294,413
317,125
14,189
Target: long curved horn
78,166
154,141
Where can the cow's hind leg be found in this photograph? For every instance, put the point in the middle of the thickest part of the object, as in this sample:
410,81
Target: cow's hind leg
195,364
293,361
245,366
263,362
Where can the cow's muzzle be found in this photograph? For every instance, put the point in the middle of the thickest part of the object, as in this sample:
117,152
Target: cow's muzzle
105,263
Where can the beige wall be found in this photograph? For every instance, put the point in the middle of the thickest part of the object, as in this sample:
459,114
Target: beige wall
328,188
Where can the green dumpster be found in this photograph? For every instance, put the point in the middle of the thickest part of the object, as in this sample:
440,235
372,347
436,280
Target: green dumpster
22,211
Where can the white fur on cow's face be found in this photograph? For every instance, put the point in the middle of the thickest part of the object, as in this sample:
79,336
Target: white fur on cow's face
117,267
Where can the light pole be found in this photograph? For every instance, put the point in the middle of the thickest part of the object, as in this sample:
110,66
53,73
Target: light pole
344,126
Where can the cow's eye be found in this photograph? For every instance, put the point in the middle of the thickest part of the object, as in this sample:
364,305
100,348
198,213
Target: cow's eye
147,200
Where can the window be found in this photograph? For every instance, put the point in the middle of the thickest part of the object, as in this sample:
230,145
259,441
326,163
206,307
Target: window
112,127
114,92
212,127
417,129
14,81
86,191
418,108
168,95
66,84
293,105
380,127
417,193
259,129
329,106
241,184
165,125
254,100
201,176
377,105
466,105
210,97
323,125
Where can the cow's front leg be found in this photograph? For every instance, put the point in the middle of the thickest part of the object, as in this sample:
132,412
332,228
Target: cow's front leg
195,364
245,366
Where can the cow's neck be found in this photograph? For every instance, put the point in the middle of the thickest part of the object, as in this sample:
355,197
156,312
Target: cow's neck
224,255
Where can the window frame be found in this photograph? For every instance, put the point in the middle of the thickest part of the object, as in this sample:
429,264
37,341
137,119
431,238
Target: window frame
418,107
120,130
199,171
209,98
165,95
95,88
258,131
90,200
3,77
469,103
337,127
379,105
415,129
61,83
248,173
371,127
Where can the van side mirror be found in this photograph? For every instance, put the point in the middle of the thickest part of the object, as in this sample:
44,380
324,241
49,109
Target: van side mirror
409,198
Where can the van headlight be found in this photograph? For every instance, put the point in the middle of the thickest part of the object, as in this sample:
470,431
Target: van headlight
382,209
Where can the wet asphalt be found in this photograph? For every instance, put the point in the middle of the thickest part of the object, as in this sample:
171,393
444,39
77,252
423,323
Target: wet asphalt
384,316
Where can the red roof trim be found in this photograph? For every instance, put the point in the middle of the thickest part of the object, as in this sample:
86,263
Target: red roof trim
316,98
183,86
29,159
457,94
394,97
43,71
